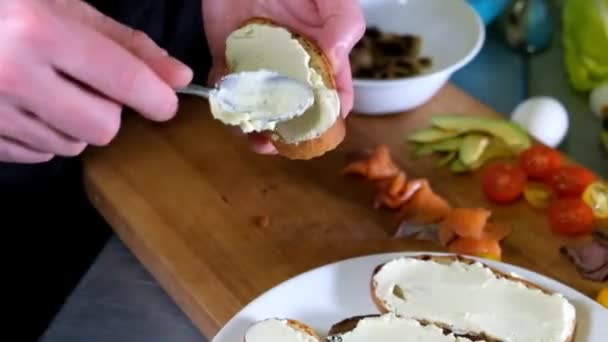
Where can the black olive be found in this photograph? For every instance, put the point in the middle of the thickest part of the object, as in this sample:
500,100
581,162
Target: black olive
373,32
392,49
425,62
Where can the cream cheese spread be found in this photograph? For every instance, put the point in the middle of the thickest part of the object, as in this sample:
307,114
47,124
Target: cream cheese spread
257,101
471,298
390,328
256,47
279,330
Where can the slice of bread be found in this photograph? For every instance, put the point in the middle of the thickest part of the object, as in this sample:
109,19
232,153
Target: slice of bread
469,297
287,330
392,328
318,142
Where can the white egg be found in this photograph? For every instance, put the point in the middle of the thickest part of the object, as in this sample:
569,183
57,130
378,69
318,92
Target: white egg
599,99
544,118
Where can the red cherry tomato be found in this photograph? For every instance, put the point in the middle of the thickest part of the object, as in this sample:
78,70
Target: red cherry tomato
570,216
503,182
540,161
570,180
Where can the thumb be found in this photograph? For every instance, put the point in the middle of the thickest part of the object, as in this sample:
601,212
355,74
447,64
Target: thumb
172,71
343,27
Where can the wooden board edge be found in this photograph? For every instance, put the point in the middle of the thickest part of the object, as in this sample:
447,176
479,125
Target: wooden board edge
170,284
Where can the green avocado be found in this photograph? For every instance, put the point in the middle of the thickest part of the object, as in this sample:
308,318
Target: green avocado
421,150
458,166
430,135
447,145
515,136
496,149
446,159
472,147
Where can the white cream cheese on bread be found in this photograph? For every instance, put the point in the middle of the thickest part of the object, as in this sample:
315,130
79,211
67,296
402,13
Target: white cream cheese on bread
256,46
471,298
390,328
256,101
279,330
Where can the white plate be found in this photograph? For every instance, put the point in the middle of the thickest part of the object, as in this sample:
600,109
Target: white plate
330,293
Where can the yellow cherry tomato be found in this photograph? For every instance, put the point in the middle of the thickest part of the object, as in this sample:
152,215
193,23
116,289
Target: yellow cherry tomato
602,297
538,195
596,196
490,256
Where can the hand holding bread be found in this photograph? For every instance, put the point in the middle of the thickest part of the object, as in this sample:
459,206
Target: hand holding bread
327,29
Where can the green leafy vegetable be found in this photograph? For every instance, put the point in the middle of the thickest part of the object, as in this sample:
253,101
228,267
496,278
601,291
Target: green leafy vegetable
585,38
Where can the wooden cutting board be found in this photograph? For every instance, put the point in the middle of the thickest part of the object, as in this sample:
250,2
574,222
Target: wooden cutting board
183,196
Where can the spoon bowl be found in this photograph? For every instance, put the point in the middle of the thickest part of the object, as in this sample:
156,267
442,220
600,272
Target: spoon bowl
263,95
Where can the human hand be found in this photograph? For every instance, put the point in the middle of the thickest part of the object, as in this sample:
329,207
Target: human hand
335,25
66,71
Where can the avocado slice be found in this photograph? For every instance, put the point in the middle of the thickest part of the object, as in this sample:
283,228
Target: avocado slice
430,135
458,166
515,136
472,147
422,150
496,149
447,145
446,159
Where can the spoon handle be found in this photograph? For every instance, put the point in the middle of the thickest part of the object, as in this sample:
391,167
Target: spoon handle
194,89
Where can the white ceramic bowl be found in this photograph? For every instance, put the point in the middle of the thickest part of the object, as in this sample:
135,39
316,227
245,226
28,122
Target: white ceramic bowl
452,34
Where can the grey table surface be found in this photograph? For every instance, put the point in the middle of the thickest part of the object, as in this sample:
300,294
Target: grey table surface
118,300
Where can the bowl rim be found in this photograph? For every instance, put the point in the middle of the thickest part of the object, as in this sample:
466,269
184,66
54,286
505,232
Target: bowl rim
447,69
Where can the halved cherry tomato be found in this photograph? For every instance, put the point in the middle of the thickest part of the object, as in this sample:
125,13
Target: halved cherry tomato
570,180
538,195
540,161
490,256
503,182
570,216
596,196
602,297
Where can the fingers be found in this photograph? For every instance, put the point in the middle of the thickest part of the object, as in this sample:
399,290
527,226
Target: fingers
172,71
218,70
344,82
95,60
344,25
29,131
13,152
73,110
261,144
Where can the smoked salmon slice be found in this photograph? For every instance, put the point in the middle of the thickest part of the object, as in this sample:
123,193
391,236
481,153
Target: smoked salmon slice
377,165
381,165
496,231
467,222
425,206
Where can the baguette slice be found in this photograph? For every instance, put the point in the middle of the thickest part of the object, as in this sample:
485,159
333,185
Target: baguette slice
393,328
320,137
470,297
280,330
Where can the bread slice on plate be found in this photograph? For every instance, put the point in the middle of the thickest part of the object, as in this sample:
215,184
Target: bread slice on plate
281,330
392,328
469,297
261,44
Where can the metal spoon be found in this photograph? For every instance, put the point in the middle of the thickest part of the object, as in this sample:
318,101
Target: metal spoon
268,96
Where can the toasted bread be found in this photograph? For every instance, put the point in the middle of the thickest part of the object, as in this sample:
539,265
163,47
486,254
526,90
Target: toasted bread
333,135
296,326
401,292
419,330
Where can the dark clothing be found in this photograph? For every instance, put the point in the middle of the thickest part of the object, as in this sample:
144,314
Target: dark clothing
52,233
